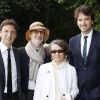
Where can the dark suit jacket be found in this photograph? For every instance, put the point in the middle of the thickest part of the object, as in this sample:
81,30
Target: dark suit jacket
89,73
25,68
2,74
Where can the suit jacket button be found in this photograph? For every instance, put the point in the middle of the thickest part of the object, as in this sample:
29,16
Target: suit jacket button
47,96
84,68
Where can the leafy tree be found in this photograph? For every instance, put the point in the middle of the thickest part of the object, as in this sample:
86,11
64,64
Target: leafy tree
94,4
57,15
4,9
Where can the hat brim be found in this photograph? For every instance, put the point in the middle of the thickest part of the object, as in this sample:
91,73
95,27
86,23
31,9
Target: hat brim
46,33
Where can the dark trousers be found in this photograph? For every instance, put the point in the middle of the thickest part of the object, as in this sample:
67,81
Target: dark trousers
85,95
13,96
29,95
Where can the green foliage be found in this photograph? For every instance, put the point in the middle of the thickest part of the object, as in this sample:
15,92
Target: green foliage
97,26
94,4
4,8
57,15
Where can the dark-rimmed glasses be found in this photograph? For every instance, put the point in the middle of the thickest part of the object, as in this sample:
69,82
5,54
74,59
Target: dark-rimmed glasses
38,32
59,51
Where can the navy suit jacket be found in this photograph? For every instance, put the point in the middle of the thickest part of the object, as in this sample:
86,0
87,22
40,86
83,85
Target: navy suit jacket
89,73
2,74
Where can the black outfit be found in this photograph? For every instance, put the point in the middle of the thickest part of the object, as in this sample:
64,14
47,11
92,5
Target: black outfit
18,94
25,73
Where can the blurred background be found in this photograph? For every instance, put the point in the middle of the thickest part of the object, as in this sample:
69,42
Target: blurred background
57,15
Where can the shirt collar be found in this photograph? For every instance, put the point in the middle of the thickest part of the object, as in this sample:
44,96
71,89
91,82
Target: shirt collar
89,34
3,48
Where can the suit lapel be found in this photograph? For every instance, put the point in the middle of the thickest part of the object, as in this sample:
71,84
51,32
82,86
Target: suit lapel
2,69
92,45
79,47
16,60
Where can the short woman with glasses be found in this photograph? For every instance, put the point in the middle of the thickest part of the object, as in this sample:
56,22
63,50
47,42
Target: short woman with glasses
56,80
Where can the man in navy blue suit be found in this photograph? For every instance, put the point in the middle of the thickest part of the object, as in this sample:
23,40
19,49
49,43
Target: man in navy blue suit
85,55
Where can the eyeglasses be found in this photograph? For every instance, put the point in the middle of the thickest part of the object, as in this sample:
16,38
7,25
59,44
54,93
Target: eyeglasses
59,51
38,31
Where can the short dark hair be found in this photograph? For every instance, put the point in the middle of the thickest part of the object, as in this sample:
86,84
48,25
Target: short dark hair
63,44
85,10
8,22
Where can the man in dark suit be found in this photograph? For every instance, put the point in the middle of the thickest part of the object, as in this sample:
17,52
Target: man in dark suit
10,76
85,55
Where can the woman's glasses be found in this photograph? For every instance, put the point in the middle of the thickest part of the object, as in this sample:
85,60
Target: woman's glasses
59,51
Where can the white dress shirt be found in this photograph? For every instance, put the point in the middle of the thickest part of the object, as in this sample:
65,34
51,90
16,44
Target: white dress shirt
4,54
88,41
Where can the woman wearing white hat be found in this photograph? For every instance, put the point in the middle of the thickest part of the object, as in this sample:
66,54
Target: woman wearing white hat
33,55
